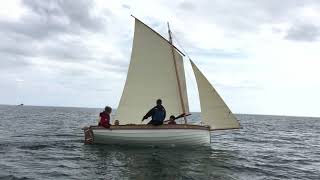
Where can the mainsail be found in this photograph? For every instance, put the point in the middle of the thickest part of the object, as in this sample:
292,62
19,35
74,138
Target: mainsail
214,111
151,76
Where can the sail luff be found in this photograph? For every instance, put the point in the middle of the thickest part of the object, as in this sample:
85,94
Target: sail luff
214,111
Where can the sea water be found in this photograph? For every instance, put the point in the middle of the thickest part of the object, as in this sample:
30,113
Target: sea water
47,143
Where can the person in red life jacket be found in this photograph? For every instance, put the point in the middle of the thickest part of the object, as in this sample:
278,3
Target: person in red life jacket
157,114
105,117
172,119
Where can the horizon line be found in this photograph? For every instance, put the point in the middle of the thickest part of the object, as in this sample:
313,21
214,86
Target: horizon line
192,111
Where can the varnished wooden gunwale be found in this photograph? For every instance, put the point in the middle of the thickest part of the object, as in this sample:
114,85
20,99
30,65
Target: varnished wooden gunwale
143,126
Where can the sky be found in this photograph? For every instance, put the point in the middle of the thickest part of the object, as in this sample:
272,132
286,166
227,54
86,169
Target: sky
261,56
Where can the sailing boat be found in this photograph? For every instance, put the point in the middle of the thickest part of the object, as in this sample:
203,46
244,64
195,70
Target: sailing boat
156,71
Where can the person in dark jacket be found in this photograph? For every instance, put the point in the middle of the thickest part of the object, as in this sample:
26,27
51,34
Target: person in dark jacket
157,114
105,117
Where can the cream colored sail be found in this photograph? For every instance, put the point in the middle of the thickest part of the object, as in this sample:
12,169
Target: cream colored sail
214,111
151,76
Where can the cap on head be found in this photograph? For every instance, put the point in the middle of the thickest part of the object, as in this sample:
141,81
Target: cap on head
172,117
159,101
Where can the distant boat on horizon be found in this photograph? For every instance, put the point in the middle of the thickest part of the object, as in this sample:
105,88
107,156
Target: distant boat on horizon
156,71
21,105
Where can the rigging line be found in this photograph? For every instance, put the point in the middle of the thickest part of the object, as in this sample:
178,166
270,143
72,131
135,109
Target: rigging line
193,80
176,39
177,75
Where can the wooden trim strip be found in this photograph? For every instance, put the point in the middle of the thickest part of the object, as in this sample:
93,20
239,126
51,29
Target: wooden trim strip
142,127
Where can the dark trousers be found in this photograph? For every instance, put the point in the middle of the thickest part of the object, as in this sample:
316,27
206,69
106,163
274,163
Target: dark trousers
155,123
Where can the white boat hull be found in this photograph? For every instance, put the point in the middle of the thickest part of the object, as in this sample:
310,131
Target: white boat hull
152,136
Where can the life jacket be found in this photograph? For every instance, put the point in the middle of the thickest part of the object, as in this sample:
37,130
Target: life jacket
158,114
104,120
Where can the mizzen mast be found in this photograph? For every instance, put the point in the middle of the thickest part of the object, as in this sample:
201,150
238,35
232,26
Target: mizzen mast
177,75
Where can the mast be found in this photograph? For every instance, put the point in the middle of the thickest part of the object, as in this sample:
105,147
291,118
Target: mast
177,75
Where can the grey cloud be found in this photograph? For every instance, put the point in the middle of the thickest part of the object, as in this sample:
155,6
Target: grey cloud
36,28
16,45
102,90
246,15
115,65
193,49
42,31
14,52
74,72
238,19
126,6
73,50
101,65
75,83
219,53
13,62
76,13
241,85
303,32
118,69
186,5
54,17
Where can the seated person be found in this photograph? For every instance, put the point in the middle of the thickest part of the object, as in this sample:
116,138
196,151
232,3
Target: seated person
172,119
157,113
105,117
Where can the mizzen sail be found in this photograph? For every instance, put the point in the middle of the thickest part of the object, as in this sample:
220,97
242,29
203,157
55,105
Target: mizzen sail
151,76
214,111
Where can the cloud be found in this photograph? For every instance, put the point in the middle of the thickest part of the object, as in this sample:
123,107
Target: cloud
241,15
77,52
67,50
57,16
239,85
126,6
54,17
13,44
13,62
219,53
186,5
51,30
58,50
303,32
